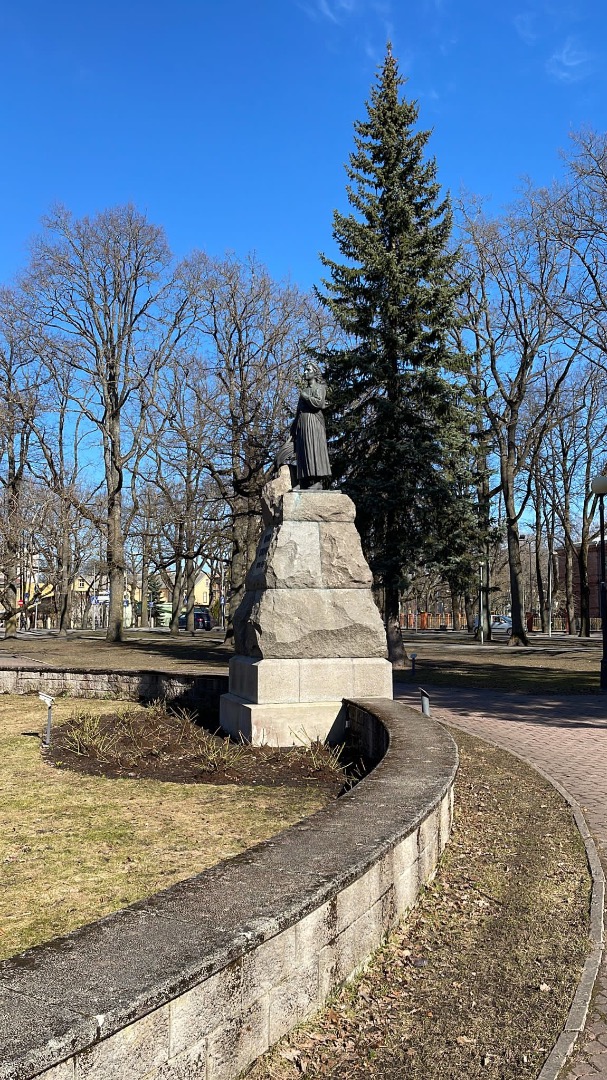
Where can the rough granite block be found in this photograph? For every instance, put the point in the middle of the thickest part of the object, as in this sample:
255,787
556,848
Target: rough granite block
64,1071
342,562
404,854
233,1046
339,961
317,506
132,1053
268,965
293,1000
315,931
358,897
445,820
309,623
191,1065
194,1014
289,559
406,888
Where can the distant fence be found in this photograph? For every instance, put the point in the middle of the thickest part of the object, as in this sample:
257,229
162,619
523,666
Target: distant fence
426,620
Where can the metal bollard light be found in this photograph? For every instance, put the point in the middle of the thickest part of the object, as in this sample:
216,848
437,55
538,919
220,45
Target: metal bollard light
425,701
413,657
48,701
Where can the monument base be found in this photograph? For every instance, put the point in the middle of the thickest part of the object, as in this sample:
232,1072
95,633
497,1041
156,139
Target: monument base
281,702
307,632
288,724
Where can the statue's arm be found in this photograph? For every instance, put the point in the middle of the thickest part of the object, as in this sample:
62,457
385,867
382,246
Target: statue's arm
315,395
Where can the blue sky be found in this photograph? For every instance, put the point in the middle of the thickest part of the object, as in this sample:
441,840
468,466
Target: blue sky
229,121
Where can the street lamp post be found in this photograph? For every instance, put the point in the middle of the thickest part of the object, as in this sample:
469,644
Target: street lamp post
599,487
530,586
481,628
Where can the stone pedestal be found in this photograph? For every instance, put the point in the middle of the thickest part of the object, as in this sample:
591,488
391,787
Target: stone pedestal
308,632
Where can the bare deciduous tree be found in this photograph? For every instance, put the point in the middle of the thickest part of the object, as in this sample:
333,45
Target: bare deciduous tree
19,405
515,280
106,289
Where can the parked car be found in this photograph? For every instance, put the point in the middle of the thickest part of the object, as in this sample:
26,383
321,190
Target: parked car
202,619
500,625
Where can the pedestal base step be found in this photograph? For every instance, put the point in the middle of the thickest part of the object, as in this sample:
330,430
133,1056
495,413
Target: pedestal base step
328,679
282,724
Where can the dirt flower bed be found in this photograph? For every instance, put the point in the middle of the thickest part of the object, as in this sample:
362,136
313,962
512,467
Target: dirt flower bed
478,981
152,742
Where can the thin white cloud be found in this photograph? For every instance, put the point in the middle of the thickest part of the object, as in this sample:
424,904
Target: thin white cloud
525,25
332,10
571,63
431,94
337,11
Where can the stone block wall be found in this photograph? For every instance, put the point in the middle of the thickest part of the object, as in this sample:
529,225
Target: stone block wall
199,980
187,690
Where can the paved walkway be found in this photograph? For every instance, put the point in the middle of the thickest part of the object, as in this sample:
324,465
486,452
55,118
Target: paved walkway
567,737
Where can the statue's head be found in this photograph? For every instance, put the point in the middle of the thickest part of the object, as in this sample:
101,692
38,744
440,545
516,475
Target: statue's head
312,370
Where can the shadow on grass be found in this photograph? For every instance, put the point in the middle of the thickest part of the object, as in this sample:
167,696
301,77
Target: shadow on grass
184,648
528,679
145,652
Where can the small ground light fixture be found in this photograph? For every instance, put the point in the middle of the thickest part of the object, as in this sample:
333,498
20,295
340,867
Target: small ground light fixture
48,701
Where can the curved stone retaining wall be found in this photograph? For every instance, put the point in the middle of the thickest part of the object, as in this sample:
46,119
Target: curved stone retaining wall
199,980
193,690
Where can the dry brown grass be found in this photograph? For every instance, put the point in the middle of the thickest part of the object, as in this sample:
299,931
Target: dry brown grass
561,665
75,847
89,651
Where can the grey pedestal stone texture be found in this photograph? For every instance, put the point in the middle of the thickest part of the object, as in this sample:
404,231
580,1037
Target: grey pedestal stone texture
308,632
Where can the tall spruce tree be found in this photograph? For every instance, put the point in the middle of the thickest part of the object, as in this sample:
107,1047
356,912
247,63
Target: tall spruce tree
391,402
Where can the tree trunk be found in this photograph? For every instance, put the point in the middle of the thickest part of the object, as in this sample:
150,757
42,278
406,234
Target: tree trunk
469,609
519,634
65,578
508,477
190,585
456,601
145,589
396,648
116,570
176,598
569,594
11,592
10,600
245,537
582,559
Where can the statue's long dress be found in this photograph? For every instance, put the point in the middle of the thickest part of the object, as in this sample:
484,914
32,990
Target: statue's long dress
309,434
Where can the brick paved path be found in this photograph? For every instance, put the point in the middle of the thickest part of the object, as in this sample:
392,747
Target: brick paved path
567,737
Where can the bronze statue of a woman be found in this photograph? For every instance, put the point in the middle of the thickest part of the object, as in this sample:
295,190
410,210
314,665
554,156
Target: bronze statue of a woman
307,447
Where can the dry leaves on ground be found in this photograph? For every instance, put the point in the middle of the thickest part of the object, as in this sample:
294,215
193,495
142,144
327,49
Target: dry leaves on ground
478,981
